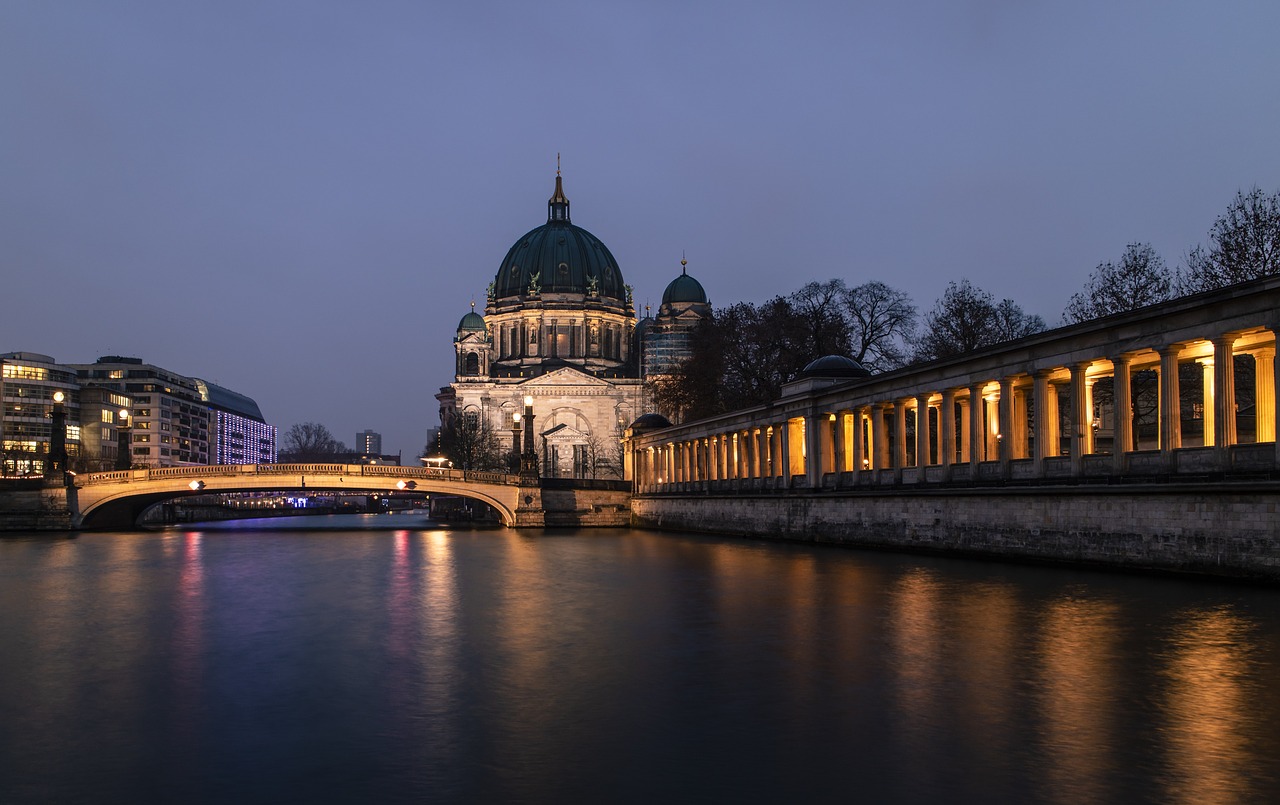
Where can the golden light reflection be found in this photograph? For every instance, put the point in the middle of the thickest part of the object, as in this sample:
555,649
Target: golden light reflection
986,626
1077,658
1209,687
917,645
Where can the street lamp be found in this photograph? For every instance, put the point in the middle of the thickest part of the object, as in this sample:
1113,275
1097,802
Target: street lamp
515,442
57,462
124,453
529,458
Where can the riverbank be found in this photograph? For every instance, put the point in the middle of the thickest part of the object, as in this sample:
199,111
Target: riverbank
1226,532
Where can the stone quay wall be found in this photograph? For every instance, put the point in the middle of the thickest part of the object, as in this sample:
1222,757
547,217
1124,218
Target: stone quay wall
1229,530
33,507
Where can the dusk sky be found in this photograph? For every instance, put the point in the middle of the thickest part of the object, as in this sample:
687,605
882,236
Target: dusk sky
299,200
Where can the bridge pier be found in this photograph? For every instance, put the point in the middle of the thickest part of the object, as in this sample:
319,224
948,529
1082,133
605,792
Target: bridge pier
529,511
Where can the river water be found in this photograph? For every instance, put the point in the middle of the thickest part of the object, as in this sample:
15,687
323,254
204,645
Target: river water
420,664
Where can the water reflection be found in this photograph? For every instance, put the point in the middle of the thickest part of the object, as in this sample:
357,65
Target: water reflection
495,666
1210,685
1078,668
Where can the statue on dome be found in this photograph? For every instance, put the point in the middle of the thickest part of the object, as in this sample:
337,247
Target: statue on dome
489,292
593,285
534,287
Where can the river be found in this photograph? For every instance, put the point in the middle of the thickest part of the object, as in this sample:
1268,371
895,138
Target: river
251,664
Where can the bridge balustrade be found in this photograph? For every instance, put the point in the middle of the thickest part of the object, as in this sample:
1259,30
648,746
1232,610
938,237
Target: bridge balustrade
1028,411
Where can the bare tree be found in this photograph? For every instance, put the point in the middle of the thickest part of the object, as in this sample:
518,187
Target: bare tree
967,318
309,442
1138,280
1244,245
881,320
470,443
820,323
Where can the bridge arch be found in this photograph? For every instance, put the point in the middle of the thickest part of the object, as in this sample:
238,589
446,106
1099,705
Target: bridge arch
117,499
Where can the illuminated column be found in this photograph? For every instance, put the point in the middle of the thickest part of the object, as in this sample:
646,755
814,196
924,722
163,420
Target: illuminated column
879,437
1045,418
1208,399
965,426
1008,434
859,440
820,447
900,437
844,441
1264,394
1079,417
1170,403
991,405
1022,422
776,453
947,432
797,450
1123,414
976,430
924,448
1224,398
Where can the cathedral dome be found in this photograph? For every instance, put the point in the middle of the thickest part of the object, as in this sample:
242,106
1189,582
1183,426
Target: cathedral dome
684,290
560,258
473,322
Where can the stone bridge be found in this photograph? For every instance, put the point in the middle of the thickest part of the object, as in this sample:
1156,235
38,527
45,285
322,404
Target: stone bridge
117,499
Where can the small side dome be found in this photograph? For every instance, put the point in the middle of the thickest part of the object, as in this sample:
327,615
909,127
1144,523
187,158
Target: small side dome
473,322
650,422
684,290
834,366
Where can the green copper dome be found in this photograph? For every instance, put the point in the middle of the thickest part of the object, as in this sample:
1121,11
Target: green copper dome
473,322
559,257
684,289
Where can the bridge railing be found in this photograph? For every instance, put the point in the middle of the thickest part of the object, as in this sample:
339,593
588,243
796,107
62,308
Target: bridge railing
367,470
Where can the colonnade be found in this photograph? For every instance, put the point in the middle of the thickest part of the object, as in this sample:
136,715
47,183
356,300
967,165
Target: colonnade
997,418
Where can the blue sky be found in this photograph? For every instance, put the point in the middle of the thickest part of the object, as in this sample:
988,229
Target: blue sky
299,200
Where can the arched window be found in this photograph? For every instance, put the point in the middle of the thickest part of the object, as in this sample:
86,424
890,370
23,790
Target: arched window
472,366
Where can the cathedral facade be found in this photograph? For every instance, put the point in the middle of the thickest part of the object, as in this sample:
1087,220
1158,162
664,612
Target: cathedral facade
560,329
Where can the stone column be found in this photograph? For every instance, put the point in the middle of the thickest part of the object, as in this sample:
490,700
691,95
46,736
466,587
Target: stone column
1123,414
1170,403
965,422
815,448
900,438
947,432
977,437
1264,394
879,438
843,441
1079,417
1008,434
859,441
1208,408
1224,397
924,448
1021,424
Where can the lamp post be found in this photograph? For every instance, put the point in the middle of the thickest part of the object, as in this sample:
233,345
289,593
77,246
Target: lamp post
529,458
515,442
124,453
56,465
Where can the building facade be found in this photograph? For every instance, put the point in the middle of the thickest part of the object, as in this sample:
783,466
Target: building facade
559,330
369,441
238,432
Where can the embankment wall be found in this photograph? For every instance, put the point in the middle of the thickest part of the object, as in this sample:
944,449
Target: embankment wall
1181,529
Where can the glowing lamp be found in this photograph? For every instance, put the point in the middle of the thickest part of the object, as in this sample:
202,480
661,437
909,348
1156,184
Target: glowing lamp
58,396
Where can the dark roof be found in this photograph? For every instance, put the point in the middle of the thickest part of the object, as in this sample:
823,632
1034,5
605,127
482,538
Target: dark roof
650,422
684,289
472,322
834,366
564,257
224,399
